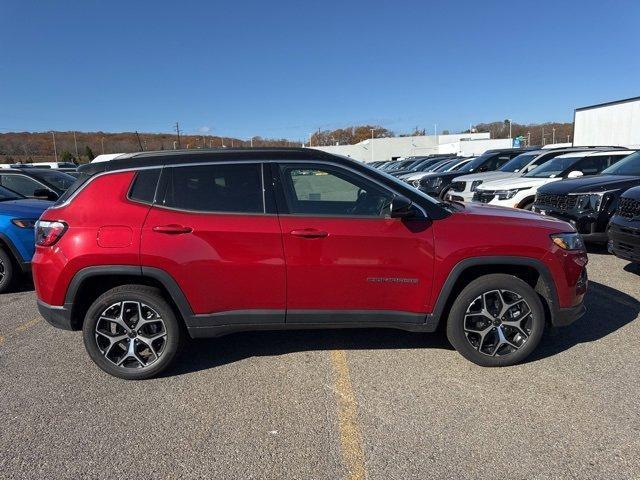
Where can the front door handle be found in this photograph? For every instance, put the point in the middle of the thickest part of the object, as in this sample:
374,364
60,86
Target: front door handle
309,233
172,229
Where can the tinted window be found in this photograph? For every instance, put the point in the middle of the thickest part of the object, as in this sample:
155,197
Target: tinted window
144,185
59,180
518,163
593,165
629,166
554,167
322,190
21,184
6,194
216,188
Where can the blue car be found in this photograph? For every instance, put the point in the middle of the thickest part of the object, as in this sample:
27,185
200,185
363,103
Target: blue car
18,216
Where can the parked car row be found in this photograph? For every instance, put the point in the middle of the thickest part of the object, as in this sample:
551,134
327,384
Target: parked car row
25,192
595,189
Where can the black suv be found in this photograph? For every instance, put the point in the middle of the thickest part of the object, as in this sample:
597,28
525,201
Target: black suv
588,203
624,228
438,185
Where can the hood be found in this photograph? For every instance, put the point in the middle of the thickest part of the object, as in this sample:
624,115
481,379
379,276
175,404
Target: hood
595,183
26,208
485,176
494,213
517,182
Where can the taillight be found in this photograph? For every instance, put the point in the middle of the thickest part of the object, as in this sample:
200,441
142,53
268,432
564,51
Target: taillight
48,233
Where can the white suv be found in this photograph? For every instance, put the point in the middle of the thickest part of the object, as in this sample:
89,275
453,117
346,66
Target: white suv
520,192
463,188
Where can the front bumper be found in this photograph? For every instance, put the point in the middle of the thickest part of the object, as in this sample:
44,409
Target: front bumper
59,317
590,226
624,241
566,316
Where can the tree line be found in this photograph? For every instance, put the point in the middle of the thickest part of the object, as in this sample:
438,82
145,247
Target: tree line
38,146
84,146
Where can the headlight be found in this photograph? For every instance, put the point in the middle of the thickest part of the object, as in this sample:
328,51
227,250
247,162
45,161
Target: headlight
568,241
474,185
590,201
507,194
23,222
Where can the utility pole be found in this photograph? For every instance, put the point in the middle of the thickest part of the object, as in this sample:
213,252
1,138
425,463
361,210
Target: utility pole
139,142
251,142
55,151
178,132
543,136
211,143
553,135
528,139
102,142
509,128
372,130
76,143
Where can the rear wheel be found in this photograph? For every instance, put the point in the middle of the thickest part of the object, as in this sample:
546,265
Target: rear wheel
131,332
7,271
496,321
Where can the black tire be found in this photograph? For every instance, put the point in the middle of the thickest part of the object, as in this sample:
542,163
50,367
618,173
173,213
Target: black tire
463,343
151,299
527,205
7,271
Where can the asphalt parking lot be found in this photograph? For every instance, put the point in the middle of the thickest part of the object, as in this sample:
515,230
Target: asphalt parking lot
332,404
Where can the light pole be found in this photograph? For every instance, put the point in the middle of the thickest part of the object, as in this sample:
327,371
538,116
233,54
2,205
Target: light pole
553,135
509,127
102,142
372,130
55,151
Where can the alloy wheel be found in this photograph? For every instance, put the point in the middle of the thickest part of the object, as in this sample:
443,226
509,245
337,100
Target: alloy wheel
131,334
498,322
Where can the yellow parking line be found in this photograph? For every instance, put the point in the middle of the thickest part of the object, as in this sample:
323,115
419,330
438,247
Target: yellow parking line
350,436
1,339
27,325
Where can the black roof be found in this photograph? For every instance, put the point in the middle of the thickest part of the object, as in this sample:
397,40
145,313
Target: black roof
177,157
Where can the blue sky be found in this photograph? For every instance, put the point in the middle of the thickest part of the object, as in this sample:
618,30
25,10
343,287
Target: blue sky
284,69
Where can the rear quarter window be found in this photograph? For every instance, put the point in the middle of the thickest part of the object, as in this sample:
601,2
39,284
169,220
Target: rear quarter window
144,185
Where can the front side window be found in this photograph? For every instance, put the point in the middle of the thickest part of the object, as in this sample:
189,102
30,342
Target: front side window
630,165
21,184
234,188
324,190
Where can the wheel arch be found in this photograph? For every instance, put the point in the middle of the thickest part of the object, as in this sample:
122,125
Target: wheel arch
7,244
533,271
91,282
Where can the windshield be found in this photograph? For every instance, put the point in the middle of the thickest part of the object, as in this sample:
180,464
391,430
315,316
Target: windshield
6,194
553,168
456,165
475,163
518,163
59,180
442,166
628,166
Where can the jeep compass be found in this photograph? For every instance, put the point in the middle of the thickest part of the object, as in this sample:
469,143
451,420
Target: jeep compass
154,247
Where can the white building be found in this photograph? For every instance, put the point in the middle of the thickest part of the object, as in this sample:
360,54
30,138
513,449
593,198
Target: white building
612,123
370,150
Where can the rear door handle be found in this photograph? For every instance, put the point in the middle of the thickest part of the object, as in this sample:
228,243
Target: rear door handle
172,229
309,233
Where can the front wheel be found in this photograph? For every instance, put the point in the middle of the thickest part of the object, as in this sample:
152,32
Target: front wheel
131,332
496,321
7,271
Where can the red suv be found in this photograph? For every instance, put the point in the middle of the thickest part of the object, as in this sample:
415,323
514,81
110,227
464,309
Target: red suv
147,249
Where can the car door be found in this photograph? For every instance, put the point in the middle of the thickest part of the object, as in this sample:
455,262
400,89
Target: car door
347,260
211,231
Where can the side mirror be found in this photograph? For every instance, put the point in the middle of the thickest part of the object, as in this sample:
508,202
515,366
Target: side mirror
575,174
402,207
45,194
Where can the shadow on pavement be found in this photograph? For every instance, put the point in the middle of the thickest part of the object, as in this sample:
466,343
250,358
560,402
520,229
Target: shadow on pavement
203,354
607,311
632,268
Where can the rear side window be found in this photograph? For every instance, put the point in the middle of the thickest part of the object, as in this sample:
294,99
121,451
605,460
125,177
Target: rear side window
144,185
235,188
